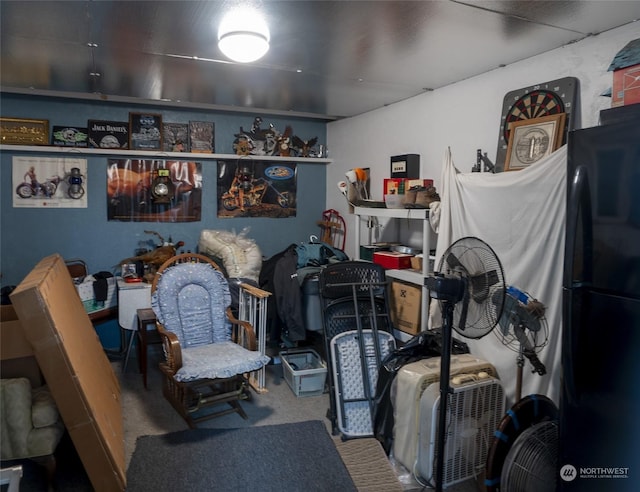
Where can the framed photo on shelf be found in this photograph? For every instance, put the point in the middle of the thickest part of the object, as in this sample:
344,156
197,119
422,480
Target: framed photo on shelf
69,136
108,134
202,137
531,140
175,137
24,131
145,131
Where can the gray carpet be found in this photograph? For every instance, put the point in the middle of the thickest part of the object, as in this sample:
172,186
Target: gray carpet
279,458
146,412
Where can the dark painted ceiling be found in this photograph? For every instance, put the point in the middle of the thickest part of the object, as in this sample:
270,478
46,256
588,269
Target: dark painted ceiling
329,59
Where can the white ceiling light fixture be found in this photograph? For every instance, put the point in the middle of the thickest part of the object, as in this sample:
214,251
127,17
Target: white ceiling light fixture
243,35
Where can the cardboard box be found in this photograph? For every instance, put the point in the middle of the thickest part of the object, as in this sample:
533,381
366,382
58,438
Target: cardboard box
76,369
7,313
416,263
417,183
17,359
406,303
405,166
392,259
393,186
87,295
399,186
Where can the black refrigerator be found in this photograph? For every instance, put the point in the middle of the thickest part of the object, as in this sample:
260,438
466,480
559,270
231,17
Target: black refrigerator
599,422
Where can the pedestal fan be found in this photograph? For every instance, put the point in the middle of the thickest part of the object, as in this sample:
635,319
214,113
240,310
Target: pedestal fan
469,283
523,329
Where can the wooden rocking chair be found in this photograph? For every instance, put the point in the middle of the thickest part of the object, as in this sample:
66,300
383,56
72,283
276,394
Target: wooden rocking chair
208,352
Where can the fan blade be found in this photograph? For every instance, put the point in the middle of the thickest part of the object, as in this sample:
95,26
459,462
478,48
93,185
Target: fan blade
480,284
462,322
454,262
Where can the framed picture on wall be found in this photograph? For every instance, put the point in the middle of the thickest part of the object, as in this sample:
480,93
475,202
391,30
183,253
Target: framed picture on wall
531,140
24,131
175,137
145,131
108,134
202,137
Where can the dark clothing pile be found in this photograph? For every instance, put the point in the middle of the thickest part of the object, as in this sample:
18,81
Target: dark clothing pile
282,275
423,346
279,275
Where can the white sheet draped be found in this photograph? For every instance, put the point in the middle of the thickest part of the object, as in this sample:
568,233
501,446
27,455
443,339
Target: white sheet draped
521,215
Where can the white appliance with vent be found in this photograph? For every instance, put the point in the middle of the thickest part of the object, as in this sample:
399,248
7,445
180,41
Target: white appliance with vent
476,406
406,391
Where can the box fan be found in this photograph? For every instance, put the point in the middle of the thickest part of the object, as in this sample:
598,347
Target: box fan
474,410
406,392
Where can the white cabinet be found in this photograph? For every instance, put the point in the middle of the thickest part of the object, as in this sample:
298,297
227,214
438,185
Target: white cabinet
131,297
411,276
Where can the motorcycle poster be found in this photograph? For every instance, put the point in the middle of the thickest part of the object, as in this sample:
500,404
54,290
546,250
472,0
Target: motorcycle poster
49,182
255,188
151,190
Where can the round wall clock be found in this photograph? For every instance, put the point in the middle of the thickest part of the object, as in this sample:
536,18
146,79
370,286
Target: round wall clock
536,101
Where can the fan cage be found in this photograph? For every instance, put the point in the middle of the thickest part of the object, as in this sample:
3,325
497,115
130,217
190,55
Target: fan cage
477,264
474,412
537,339
531,464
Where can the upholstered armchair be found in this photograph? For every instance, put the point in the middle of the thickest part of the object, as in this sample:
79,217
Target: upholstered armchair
31,424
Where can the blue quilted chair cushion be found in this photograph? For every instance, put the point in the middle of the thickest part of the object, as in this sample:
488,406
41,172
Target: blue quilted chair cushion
191,301
218,360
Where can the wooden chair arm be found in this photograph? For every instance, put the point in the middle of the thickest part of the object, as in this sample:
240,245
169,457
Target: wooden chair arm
242,332
255,291
171,348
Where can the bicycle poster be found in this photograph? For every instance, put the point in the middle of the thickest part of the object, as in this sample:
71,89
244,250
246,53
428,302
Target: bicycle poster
49,182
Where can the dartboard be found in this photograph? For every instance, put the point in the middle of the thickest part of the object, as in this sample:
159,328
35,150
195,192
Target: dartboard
549,98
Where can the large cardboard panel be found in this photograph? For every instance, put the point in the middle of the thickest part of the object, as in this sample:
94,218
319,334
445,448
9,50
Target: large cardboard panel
76,368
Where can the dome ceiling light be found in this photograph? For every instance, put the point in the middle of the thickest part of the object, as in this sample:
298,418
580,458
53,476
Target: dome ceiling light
243,35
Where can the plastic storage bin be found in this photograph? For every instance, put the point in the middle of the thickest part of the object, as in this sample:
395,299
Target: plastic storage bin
311,308
304,371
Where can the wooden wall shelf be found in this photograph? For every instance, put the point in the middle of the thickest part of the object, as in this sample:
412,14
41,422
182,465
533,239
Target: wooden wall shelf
183,156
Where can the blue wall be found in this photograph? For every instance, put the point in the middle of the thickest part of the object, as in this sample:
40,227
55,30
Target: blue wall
29,234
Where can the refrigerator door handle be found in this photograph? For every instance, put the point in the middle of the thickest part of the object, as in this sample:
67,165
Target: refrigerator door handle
579,201
579,207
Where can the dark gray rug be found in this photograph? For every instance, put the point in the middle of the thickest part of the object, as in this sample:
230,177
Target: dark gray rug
279,458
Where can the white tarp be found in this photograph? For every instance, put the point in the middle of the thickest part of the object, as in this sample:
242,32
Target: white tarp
521,215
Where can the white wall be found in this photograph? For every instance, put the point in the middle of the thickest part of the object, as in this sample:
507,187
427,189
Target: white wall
464,116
